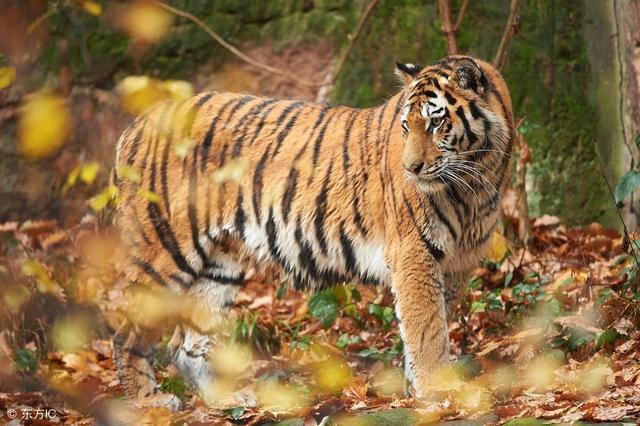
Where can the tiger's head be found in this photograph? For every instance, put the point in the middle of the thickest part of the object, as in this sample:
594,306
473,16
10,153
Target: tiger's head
452,118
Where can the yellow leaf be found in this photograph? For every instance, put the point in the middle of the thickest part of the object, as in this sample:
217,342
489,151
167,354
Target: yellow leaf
129,173
231,359
145,22
89,171
14,297
103,199
178,90
540,372
279,397
498,249
71,334
149,195
332,375
44,283
183,147
92,7
592,378
7,76
232,171
43,126
72,179
139,93
389,381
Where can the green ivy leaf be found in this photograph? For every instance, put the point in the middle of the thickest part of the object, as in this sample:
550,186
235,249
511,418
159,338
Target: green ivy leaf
235,413
26,360
324,306
608,337
478,306
627,184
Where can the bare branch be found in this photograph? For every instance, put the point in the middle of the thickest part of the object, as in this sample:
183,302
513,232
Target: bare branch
233,49
447,27
509,31
332,76
461,13
521,187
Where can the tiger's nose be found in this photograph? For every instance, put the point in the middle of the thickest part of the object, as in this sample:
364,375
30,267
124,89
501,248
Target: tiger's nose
415,167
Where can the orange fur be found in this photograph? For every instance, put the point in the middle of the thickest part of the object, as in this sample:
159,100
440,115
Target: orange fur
329,193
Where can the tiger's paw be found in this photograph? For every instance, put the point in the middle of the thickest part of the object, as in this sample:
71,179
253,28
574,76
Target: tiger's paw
159,400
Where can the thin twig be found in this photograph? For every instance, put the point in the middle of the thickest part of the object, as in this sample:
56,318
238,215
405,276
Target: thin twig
447,27
627,238
509,31
332,76
461,13
273,70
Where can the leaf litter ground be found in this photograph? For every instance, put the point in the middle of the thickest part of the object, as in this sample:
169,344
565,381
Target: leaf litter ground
546,332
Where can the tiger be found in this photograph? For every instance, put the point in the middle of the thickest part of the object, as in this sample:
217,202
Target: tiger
405,195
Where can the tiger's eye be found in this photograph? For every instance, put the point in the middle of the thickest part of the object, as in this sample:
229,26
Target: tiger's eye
436,121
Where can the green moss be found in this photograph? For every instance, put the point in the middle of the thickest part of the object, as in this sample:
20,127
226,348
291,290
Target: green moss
547,69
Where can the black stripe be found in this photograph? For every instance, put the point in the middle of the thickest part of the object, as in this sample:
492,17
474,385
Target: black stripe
261,123
285,112
240,216
450,98
345,140
347,251
272,236
283,133
150,271
321,115
257,184
457,201
435,252
206,144
289,193
193,113
443,218
244,123
430,94
168,238
319,140
133,150
162,227
164,162
192,209
224,279
470,135
321,210
243,101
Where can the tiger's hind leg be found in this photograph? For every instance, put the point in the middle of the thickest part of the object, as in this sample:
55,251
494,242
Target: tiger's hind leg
211,295
132,351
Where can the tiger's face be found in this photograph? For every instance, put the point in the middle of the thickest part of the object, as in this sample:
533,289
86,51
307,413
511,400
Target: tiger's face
445,122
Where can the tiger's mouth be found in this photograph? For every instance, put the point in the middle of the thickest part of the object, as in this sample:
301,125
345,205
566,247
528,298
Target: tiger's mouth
435,177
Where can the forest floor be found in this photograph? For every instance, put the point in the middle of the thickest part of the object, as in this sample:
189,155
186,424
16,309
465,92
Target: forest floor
548,331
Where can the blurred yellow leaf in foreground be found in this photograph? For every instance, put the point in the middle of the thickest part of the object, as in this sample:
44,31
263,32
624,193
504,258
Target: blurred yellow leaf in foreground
71,334
43,126
92,7
103,199
140,92
146,22
44,283
498,249
7,76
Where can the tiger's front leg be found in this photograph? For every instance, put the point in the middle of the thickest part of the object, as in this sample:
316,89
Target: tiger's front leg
417,284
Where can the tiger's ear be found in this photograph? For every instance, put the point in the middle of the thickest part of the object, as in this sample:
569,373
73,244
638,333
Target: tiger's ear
407,72
467,75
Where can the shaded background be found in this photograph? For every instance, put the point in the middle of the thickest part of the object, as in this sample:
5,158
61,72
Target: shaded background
570,69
